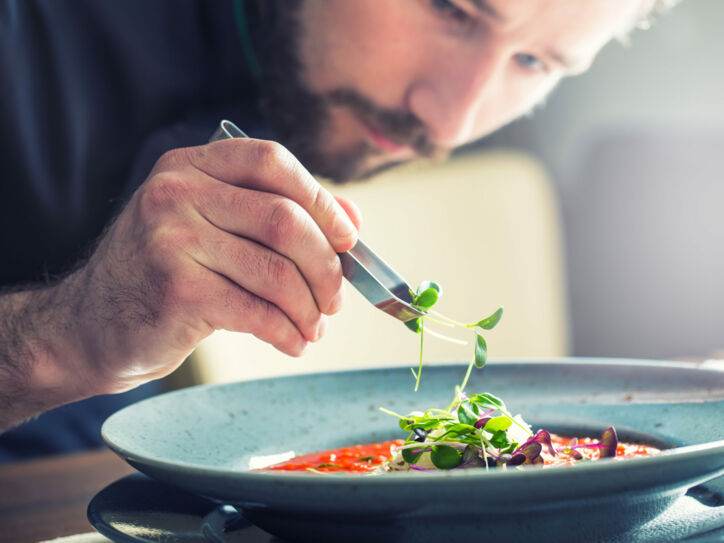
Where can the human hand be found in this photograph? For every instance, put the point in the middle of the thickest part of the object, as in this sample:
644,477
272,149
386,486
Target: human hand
232,235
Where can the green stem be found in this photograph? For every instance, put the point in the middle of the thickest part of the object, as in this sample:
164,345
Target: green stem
392,413
447,338
419,369
467,374
436,321
446,318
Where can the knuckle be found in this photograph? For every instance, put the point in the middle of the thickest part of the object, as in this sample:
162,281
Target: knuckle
172,159
164,191
240,201
261,315
262,319
322,200
286,221
232,308
279,270
269,155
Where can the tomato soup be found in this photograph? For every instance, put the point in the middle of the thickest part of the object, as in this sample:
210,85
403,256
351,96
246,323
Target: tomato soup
368,458
357,459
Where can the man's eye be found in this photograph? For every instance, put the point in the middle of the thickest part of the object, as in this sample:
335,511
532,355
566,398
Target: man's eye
529,62
449,9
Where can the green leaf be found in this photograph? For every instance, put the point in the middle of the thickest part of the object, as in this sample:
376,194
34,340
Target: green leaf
425,285
444,457
468,413
481,351
485,399
426,424
461,429
426,299
411,457
499,439
488,323
414,325
497,423
420,423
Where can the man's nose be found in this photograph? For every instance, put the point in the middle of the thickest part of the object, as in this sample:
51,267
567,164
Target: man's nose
448,97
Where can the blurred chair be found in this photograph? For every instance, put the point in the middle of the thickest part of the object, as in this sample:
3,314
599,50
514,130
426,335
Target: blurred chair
484,225
645,228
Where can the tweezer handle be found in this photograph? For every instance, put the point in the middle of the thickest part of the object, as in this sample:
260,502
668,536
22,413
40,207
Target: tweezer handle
384,288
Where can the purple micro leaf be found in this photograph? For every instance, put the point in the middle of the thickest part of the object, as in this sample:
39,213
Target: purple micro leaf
506,458
481,422
609,442
472,463
517,459
418,468
542,437
531,451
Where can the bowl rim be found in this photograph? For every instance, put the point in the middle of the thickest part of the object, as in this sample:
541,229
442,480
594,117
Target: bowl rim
665,457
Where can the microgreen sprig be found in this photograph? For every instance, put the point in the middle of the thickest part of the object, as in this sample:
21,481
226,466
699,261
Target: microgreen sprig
472,432
426,296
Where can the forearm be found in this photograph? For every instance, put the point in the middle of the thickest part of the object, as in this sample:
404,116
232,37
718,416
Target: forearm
41,362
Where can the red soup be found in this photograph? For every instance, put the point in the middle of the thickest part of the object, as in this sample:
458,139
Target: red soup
367,458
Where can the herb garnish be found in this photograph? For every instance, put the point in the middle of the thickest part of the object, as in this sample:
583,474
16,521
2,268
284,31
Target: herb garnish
479,431
424,298
474,431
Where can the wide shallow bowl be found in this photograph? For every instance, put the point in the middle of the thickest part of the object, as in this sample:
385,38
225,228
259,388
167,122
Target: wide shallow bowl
202,439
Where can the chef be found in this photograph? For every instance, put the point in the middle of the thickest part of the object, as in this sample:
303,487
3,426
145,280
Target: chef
126,239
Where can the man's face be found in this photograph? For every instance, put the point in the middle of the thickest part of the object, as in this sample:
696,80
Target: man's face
380,82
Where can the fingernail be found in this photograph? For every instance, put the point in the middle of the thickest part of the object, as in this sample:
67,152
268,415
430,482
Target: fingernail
343,227
321,328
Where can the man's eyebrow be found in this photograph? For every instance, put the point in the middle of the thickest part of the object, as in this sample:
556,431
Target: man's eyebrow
487,9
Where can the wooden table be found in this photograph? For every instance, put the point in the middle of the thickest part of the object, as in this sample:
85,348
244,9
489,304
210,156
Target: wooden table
45,499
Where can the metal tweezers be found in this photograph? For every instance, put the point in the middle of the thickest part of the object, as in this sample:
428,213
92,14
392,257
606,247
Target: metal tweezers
368,273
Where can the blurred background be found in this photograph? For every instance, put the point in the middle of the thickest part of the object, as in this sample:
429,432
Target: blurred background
634,148
597,222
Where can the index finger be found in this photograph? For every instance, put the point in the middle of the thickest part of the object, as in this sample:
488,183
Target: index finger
268,166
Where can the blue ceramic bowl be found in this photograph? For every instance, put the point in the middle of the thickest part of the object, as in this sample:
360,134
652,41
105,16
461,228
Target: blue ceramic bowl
202,439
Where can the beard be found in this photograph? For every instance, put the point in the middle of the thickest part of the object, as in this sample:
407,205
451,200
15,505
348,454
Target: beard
300,118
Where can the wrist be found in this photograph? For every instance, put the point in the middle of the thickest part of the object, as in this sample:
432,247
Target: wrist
41,362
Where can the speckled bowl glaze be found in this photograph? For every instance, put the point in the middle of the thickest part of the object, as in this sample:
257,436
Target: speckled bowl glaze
201,439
